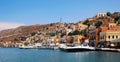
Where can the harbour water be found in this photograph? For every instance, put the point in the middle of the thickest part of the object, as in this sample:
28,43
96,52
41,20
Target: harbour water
38,55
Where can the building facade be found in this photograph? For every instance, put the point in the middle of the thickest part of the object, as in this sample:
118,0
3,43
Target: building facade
101,15
81,26
110,35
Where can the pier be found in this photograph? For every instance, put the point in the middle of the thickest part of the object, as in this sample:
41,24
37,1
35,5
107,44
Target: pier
107,49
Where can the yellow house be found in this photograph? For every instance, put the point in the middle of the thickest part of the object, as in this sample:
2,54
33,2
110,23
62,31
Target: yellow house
110,35
78,39
113,36
111,25
57,41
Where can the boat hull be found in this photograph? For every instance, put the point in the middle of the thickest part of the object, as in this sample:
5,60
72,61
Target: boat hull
76,49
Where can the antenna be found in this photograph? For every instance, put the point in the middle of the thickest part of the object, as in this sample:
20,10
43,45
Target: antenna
60,20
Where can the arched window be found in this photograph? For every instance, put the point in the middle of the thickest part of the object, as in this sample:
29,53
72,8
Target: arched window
116,36
109,36
113,36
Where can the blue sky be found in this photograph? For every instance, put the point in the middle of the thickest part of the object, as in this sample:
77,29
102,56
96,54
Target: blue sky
31,12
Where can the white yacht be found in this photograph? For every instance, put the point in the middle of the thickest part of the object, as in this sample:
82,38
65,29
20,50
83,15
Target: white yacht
75,48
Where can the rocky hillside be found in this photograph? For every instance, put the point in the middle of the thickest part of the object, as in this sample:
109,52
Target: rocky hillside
110,18
13,35
24,31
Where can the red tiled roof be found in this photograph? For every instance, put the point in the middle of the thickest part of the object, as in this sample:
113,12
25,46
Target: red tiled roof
104,29
86,38
112,31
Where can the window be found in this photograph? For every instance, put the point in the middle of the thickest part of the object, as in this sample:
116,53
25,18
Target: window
111,26
103,37
94,37
116,36
113,36
109,37
100,37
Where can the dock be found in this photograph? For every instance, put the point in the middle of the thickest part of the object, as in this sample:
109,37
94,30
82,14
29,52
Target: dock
107,49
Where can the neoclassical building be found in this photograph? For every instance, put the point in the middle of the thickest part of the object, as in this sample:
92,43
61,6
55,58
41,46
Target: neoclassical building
110,35
101,15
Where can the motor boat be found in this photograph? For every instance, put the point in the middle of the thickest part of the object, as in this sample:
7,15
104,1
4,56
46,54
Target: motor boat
75,48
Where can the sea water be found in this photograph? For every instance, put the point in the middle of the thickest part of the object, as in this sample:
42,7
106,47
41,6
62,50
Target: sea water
41,55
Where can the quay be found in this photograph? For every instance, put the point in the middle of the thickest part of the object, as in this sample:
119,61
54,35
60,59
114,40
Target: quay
81,48
107,49
69,48
84,49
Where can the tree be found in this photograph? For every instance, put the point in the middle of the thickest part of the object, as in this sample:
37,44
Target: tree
85,32
117,19
52,34
86,22
76,32
108,14
71,39
62,34
33,33
98,24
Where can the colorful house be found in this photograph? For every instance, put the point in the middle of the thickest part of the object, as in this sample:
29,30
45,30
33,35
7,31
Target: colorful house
110,35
